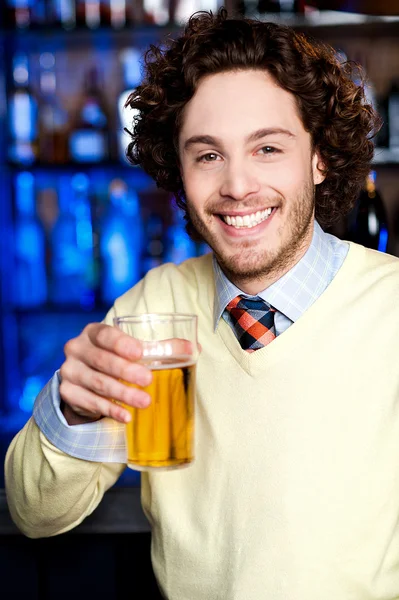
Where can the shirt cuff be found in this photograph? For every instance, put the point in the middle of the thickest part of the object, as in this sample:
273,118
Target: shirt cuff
100,441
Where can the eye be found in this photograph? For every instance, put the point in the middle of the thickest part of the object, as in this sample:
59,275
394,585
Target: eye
268,150
210,157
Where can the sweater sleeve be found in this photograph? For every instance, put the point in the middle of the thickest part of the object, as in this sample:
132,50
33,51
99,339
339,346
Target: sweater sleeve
48,491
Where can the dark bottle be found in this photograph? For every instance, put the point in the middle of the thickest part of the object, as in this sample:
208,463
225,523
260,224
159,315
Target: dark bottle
23,115
89,139
18,13
73,274
30,280
53,119
368,223
62,13
121,242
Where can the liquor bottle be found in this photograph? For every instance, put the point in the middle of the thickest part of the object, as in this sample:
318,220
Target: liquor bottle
135,13
181,10
53,119
156,12
368,224
62,13
23,115
30,247
393,116
121,242
130,60
89,139
39,13
88,13
73,274
117,13
19,13
179,245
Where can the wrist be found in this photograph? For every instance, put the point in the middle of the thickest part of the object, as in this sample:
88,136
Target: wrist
72,417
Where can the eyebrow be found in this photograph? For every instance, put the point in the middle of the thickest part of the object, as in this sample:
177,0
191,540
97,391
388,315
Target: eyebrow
253,137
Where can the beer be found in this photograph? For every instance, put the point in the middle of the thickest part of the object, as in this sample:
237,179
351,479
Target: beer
162,435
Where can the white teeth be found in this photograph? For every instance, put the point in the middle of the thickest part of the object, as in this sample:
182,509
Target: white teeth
248,221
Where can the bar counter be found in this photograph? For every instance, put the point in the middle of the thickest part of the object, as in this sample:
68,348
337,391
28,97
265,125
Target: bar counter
107,557
119,512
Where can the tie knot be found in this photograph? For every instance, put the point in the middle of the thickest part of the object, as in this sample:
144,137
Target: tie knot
253,322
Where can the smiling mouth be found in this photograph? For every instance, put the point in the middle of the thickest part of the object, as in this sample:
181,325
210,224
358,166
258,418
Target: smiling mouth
247,221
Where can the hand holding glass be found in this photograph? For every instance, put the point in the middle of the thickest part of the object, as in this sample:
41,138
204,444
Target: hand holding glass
161,436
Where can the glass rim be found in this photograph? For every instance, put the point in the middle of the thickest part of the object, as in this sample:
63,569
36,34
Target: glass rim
154,318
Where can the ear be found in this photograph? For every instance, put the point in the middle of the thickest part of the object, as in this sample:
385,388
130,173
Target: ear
318,169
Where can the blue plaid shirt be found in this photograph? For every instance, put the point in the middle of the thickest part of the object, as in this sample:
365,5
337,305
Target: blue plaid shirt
291,296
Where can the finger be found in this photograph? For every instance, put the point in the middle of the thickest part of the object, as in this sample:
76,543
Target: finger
114,340
107,387
90,405
115,366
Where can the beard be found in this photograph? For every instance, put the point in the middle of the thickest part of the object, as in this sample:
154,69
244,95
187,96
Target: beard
246,263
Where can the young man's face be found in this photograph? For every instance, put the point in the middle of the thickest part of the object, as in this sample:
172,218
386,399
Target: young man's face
244,153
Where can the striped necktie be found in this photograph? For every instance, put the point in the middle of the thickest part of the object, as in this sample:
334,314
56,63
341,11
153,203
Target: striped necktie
253,322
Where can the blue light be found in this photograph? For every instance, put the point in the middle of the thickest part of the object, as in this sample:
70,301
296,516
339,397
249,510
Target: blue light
383,240
32,387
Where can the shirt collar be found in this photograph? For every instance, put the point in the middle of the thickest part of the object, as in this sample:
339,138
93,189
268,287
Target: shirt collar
295,291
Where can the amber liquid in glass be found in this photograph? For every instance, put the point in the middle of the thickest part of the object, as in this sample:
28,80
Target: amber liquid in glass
162,435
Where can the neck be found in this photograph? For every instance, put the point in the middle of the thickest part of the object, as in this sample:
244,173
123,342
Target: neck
254,285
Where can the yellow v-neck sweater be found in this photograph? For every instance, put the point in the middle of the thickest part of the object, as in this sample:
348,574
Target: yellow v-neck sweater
294,493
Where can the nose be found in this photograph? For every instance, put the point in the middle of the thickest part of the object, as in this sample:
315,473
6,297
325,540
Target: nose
238,181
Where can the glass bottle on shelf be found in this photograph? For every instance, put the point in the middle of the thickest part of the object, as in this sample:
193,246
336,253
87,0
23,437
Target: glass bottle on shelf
135,13
89,139
93,13
30,277
130,60
117,13
121,242
73,274
368,223
179,245
23,114
62,13
18,13
181,10
156,12
53,119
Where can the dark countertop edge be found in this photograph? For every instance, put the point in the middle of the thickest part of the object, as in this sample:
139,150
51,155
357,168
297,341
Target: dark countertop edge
119,512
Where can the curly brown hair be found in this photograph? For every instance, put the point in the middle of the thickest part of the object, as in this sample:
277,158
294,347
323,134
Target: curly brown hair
333,109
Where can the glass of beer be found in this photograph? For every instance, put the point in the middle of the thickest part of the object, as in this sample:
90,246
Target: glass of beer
161,436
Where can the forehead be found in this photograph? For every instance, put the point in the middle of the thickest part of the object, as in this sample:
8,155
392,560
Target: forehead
231,104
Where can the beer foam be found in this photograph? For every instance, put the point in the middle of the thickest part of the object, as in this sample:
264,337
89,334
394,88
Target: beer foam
168,362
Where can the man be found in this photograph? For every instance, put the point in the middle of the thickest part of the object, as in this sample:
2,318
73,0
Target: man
294,493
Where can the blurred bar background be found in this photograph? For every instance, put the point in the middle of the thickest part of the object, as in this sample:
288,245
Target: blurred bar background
78,224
